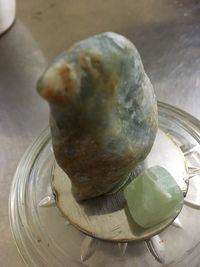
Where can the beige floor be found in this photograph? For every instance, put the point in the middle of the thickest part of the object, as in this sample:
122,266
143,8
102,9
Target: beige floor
56,24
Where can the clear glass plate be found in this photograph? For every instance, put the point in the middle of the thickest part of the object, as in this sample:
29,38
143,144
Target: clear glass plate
45,238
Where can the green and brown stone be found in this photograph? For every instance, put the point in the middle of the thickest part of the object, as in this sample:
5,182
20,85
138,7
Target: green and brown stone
103,112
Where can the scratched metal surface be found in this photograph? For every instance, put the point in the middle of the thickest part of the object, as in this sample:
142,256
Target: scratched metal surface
166,33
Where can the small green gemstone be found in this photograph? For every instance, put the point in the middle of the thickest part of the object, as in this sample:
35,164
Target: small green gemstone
153,196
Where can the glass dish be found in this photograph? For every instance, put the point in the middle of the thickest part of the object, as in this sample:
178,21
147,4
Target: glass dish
45,238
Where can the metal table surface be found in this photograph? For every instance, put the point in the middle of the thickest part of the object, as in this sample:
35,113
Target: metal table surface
166,33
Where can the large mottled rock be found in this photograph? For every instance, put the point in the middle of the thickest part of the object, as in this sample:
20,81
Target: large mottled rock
103,112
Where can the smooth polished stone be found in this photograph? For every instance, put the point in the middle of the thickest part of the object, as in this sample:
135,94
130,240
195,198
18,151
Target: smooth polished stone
103,112
153,196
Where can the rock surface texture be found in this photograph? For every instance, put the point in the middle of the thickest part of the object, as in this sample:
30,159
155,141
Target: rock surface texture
103,112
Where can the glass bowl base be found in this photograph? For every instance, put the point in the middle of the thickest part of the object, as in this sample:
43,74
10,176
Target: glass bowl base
107,217
45,237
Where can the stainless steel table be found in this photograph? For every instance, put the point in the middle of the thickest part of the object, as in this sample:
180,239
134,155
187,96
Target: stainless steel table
166,33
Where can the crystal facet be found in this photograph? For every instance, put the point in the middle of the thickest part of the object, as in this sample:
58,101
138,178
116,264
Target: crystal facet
153,196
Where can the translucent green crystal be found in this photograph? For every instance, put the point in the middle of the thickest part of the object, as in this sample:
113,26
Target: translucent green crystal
153,196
